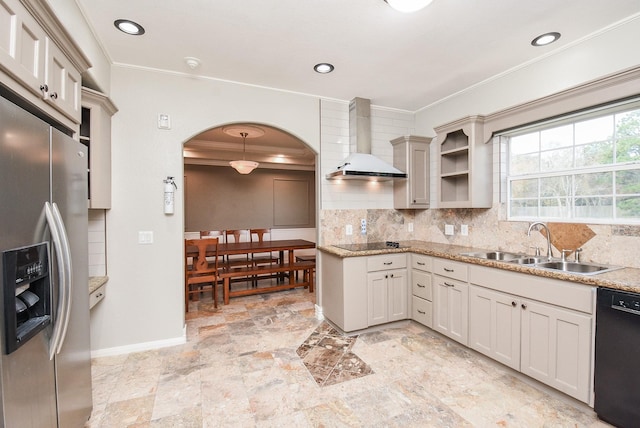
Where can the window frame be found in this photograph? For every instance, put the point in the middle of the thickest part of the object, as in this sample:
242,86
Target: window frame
604,110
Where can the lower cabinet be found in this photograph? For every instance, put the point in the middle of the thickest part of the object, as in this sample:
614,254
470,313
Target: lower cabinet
387,296
358,292
451,300
546,341
494,325
451,308
421,290
556,348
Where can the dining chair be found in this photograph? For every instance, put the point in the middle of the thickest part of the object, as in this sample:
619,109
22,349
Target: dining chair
211,234
268,257
204,271
236,235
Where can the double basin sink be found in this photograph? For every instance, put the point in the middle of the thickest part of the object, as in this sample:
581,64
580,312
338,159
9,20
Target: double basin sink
580,268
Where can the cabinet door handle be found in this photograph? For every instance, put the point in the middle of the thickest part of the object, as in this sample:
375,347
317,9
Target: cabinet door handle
448,270
514,304
387,263
386,276
523,306
44,88
449,285
391,275
421,263
420,285
53,95
421,312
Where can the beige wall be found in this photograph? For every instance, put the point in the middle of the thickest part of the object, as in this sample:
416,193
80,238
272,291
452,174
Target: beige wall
142,308
218,198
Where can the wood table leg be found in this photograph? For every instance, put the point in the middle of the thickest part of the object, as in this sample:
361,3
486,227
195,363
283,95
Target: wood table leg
226,290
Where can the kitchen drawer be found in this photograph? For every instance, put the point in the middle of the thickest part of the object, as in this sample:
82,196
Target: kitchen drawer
386,262
422,311
421,262
442,281
421,284
450,269
97,295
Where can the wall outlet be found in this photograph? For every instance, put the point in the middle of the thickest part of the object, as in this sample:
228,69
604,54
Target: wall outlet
349,230
145,237
363,226
410,227
464,229
448,229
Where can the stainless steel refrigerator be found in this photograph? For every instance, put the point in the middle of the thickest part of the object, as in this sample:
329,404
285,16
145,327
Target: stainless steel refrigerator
45,367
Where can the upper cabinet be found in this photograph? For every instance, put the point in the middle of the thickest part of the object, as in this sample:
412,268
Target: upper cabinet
39,61
411,154
464,165
95,133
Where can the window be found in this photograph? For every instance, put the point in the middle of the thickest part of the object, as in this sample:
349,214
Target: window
582,168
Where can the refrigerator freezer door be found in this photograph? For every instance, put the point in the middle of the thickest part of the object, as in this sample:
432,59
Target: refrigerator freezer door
28,377
73,362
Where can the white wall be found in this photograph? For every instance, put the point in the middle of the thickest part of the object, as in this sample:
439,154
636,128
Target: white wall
98,77
603,54
143,307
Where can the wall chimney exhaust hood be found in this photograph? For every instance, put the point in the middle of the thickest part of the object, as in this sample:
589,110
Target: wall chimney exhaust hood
362,165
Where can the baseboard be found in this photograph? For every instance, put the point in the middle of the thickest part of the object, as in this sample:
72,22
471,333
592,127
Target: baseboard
139,347
319,313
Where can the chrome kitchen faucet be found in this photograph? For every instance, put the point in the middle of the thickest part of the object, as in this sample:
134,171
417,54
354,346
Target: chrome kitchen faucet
539,223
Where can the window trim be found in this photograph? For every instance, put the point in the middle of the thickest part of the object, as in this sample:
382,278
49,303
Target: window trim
628,104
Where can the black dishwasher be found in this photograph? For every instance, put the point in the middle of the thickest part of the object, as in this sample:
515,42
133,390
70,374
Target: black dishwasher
617,358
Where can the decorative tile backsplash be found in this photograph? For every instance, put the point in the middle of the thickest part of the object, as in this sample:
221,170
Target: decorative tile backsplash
618,245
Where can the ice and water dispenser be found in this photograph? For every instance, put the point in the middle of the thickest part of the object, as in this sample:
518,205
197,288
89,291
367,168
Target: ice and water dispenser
27,294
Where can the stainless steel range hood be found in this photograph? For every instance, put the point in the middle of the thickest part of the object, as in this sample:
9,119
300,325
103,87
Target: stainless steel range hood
362,165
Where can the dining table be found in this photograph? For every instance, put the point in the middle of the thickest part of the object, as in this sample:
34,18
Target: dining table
280,246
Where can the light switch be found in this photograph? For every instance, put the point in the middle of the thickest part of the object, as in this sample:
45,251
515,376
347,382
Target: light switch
164,121
363,226
349,229
410,227
464,229
448,229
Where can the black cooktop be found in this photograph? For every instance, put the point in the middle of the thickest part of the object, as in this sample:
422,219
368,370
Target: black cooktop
368,246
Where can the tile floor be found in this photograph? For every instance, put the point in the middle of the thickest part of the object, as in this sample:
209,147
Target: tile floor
266,361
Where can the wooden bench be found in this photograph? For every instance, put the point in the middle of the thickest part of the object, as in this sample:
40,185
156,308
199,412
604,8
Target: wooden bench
258,270
307,258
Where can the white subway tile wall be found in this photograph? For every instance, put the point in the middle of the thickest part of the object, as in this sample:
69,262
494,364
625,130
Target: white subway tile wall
97,243
386,125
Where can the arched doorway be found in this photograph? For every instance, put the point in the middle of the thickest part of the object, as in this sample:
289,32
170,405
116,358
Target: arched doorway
280,194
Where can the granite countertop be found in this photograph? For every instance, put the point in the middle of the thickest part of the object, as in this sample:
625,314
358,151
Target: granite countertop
626,279
96,282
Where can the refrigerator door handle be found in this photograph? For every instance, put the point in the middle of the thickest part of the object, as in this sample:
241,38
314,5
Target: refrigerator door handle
68,275
56,335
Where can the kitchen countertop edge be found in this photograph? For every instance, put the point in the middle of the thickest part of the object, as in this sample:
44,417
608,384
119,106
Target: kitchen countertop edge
625,279
96,282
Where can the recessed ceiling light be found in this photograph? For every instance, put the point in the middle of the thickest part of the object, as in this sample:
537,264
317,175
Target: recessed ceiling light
323,67
408,6
129,27
545,39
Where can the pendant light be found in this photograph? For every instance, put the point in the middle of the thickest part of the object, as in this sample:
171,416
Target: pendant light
408,6
244,166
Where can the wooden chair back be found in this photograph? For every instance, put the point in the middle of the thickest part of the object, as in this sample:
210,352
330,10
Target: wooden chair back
232,235
258,235
204,270
210,234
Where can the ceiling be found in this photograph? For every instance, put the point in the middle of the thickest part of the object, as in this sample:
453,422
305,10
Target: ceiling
397,60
